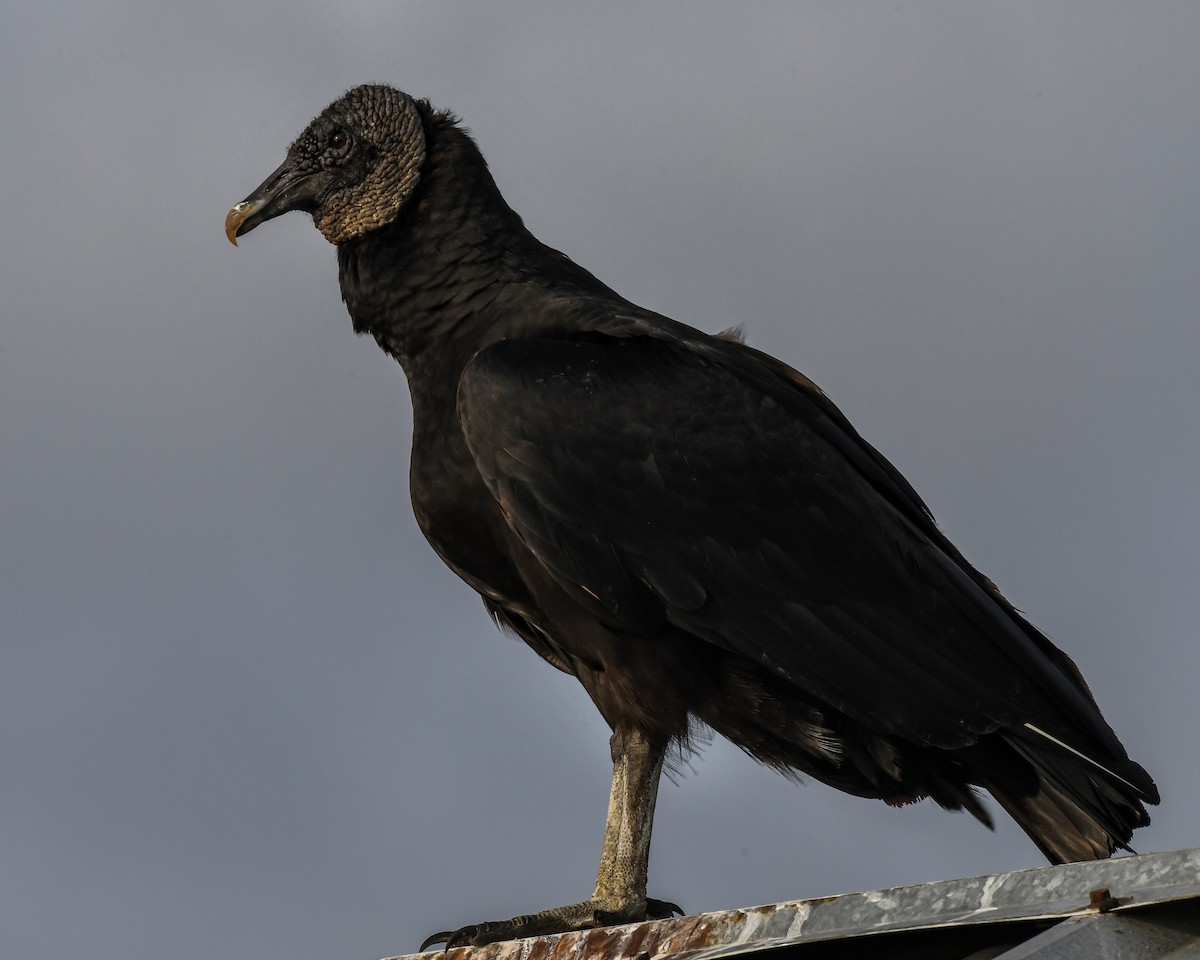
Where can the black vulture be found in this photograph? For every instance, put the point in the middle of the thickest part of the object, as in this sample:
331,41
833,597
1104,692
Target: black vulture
687,525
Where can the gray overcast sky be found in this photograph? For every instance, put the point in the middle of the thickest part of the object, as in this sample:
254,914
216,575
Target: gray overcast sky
245,711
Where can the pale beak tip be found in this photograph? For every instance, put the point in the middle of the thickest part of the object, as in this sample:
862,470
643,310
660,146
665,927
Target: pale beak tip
234,219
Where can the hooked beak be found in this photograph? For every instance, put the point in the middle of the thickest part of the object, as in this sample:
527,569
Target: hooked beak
283,190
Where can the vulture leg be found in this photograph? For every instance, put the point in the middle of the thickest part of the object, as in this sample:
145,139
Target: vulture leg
620,894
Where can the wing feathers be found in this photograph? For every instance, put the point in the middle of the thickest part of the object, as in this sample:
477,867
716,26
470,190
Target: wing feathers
660,482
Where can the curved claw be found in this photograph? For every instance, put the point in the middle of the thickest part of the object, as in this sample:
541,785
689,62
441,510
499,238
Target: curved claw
442,937
476,934
663,909
654,910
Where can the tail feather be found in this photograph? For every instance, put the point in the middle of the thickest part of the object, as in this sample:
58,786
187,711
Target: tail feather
1078,808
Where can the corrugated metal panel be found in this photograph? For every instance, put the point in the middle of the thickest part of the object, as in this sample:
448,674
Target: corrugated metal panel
1135,907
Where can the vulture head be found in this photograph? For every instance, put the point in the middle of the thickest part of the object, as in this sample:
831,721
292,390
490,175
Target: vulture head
353,168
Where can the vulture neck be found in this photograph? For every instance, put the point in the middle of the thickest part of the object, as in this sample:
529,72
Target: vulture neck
442,280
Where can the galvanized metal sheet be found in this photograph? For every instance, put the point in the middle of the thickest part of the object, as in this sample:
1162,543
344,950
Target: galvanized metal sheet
1045,893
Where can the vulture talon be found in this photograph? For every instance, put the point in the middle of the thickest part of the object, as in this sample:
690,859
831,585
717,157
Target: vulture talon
587,915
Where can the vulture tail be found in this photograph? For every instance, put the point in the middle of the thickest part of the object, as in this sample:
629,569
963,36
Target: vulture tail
1072,807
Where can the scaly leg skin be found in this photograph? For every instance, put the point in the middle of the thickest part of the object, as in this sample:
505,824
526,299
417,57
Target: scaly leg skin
620,894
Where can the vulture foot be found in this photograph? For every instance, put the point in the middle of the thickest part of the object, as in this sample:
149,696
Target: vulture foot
577,916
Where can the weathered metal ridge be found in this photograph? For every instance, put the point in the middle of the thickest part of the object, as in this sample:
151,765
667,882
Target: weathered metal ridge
1149,905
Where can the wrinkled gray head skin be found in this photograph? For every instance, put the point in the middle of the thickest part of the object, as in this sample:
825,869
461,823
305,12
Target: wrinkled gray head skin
352,168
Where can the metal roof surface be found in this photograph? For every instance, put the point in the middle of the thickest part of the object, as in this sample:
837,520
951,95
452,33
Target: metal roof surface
1143,906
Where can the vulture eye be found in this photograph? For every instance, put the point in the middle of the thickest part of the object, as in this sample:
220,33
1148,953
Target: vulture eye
339,139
